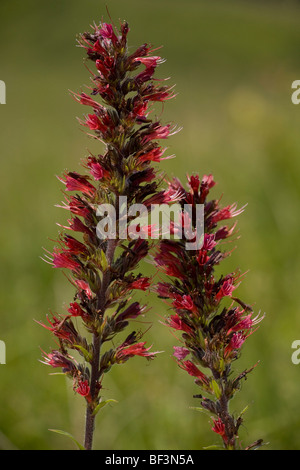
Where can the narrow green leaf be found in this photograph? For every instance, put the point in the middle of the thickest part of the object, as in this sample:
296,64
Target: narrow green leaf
57,373
244,410
221,364
103,260
213,447
201,410
87,356
102,404
64,433
216,389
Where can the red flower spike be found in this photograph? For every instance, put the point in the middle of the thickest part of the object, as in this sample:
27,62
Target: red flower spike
210,333
103,271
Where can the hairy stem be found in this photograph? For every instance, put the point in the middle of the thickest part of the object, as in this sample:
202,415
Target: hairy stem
228,421
94,389
90,417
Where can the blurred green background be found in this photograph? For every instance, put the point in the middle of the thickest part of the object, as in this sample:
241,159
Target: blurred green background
233,64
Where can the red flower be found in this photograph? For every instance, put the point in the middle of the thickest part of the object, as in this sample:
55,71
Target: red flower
133,311
245,323
172,268
104,90
94,123
164,197
209,242
202,257
83,388
178,324
75,247
184,302
194,183
160,96
57,359
145,75
153,155
76,182
142,283
193,370
107,32
226,289
224,232
86,100
84,287
138,349
158,132
65,260
76,225
103,68
98,48
62,328
149,61
96,169
75,310
140,109
77,206
226,213
206,184
141,51
163,289
180,352
236,342
219,428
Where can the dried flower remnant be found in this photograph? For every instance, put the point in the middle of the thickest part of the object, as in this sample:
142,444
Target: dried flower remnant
211,333
102,270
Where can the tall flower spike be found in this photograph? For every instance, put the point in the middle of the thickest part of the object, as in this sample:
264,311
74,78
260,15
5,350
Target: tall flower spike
101,268
212,333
